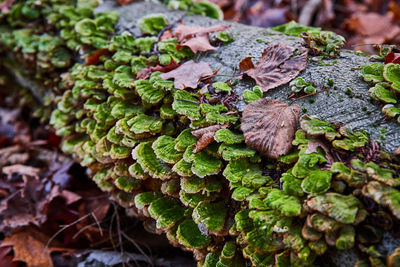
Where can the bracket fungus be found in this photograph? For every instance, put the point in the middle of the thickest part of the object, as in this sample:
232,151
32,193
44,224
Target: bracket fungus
235,189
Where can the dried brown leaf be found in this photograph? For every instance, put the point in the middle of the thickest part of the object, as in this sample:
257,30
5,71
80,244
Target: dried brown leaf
146,72
246,64
269,125
198,43
124,2
184,33
277,66
21,169
29,246
205,136
167,34
6,260
188,74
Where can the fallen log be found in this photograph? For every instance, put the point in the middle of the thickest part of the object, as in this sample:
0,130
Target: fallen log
225,203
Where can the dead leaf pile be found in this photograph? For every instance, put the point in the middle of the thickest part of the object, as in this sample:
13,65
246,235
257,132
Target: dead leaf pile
188,74
36,196
277,66
371,28
269,126
197,38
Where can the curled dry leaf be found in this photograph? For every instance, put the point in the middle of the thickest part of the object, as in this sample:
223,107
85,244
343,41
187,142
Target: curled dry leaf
146,72
196,37
277,66
184,33
205,136
188,74
199,43
269,125
246,64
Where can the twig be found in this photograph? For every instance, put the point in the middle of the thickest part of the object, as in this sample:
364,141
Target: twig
304,96
63,228
110,235
138,248
98,223
82,229
121,245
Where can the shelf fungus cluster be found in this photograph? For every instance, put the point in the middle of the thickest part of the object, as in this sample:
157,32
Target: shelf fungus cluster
386,81
185,161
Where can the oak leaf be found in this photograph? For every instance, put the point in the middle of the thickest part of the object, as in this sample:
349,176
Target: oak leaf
205,136
29,246
188,74
277,66
269,126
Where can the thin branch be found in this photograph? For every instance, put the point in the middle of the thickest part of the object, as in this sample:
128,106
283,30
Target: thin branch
63,228
304,96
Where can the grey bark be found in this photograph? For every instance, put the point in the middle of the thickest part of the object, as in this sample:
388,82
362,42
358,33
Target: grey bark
334,105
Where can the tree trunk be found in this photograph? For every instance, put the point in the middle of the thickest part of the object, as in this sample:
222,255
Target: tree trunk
346,101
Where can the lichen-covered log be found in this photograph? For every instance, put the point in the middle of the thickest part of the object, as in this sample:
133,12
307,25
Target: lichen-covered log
174,152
